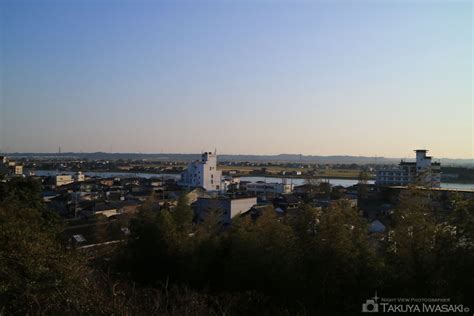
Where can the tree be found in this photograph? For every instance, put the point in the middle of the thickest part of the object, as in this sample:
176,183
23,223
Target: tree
183,215
411,243
342,259
262,255
313,187
454,253
38,274
362,185
304,222
23,192
325,188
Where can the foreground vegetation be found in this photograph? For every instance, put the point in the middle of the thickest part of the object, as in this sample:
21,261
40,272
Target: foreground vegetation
307,262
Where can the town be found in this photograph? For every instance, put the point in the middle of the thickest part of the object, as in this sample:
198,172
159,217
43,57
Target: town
194,224
83,200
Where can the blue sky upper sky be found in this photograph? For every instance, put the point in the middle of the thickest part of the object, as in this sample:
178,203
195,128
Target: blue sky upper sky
313,77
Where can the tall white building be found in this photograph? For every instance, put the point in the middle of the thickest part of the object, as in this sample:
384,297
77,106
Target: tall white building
203,173
422,171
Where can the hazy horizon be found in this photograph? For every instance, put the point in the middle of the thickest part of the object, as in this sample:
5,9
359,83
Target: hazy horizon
359,78
409,157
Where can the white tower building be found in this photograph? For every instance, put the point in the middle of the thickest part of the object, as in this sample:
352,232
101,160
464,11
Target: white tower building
203,173
422,170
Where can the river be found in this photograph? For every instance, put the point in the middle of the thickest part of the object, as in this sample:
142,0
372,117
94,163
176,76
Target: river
295,181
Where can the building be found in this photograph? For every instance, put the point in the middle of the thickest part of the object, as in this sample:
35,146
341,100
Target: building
109,209
18,170
230,183
195,194
63,179
10,167
377,227
229,206
79,177
203,173
271,188
422,171
286,202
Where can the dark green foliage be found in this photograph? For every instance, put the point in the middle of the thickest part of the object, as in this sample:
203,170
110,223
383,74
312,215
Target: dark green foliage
36,272
159,244
22,192
323,260
429,254
305,258
455,253
307,262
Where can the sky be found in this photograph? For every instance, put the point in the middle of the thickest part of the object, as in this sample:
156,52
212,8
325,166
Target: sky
372,78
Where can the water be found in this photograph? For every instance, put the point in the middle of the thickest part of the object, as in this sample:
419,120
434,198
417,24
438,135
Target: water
350,182
46,173
298,181
458,186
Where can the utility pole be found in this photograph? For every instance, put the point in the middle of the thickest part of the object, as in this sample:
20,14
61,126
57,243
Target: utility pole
75,205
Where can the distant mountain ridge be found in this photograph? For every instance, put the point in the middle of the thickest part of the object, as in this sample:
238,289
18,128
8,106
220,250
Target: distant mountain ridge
281,158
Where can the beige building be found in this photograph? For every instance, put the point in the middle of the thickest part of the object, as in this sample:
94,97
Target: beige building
18,170
229,207
63,179
274,188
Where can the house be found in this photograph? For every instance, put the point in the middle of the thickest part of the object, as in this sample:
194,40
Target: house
63,179
264,187
78,238
10,167
115,195
230,183
113,208
49,195
229,206
286,202
18,170
243,185
377,226
107,182
306,190
197,193
79,176
257,210
139,195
